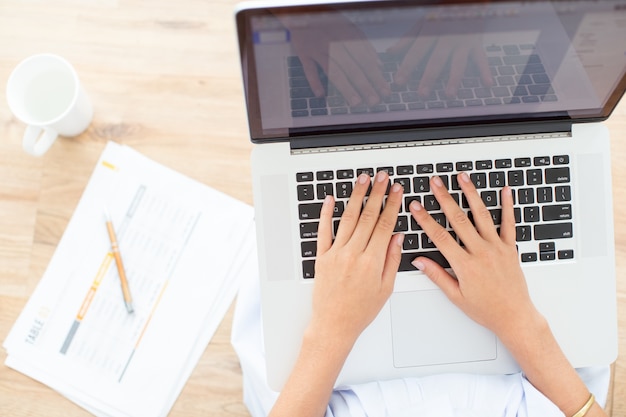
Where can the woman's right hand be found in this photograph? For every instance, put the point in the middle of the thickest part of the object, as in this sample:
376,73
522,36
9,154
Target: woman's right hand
489,285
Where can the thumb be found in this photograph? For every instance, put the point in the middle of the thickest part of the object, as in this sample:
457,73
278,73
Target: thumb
439,276
392,261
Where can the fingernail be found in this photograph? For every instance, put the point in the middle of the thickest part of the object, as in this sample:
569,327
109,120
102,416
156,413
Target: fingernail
327,199
415,205
355,101
373,100
437,181
381,176
419,265
396,188
464,177
399,239
363,178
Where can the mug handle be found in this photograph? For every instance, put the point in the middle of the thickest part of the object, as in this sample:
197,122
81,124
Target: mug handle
38,140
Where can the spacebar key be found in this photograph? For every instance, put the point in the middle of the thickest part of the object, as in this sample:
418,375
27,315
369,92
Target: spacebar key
407,258
553,231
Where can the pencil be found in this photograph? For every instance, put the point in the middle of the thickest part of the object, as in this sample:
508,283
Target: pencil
128,300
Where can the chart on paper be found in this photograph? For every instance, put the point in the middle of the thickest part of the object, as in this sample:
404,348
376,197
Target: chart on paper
152,233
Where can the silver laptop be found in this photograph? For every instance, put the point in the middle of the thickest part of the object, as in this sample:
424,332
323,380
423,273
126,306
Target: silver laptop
512,92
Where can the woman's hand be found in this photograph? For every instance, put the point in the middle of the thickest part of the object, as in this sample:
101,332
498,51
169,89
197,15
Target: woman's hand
355,274
489,286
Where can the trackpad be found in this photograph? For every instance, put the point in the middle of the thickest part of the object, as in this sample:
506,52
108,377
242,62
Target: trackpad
429,330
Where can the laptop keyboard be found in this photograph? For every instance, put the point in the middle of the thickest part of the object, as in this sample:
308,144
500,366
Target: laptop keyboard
542,195
517,72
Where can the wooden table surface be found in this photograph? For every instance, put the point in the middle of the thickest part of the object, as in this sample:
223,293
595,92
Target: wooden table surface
164,78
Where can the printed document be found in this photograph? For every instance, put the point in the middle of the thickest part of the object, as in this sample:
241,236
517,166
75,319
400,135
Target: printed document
184,247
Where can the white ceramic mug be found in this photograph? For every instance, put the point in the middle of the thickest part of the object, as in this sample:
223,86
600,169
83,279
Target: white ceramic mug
44,92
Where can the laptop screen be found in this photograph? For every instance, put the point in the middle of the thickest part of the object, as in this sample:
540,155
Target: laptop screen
382,65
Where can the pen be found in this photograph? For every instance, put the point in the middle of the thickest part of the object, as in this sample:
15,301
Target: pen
128,300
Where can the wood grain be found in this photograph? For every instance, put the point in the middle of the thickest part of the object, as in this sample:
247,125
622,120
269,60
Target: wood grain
164,78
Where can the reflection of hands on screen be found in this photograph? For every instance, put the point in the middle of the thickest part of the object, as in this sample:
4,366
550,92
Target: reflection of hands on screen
443,58
345,56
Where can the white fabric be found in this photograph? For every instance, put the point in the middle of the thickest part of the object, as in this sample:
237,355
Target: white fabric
450,395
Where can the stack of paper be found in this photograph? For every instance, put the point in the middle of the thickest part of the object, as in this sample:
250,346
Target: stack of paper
184,246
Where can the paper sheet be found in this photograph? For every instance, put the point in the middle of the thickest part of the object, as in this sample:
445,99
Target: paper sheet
184,247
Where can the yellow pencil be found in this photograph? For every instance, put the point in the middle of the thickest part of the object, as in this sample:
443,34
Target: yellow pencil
128,300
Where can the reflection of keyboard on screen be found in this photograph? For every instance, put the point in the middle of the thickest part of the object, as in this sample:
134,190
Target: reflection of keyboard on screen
517,72
541,190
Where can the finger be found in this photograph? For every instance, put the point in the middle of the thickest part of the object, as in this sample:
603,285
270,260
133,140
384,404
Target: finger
482,217
350,216
387,221
358,79
436,63
439,236
507,225
412,59
338,77
366,55
455,215
312,75
480,59
371,212
325,228
439,277
392,262
457,70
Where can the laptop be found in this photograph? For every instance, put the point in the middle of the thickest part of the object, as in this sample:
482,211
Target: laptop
514,93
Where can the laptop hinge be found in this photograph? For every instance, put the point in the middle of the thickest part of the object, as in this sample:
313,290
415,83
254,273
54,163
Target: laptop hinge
439,142
428,137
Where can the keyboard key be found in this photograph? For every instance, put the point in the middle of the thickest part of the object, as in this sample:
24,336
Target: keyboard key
503,163
490,198
308,269
309,211
522,233
553,231
557,212
304,176
484,164
534,177
522,162
431,203
464,166
411,242
345,174
408,200
544,195
496,179
324,175
421,184
479,179
529,257
408,257
445,167
560,159
308,249
404,170
557,175
425,169
547,256
368,171
516,178
566,254
541,161
324,189
388,169
525,196
309,230
402,224
563,193
531,214
305,192
344,189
